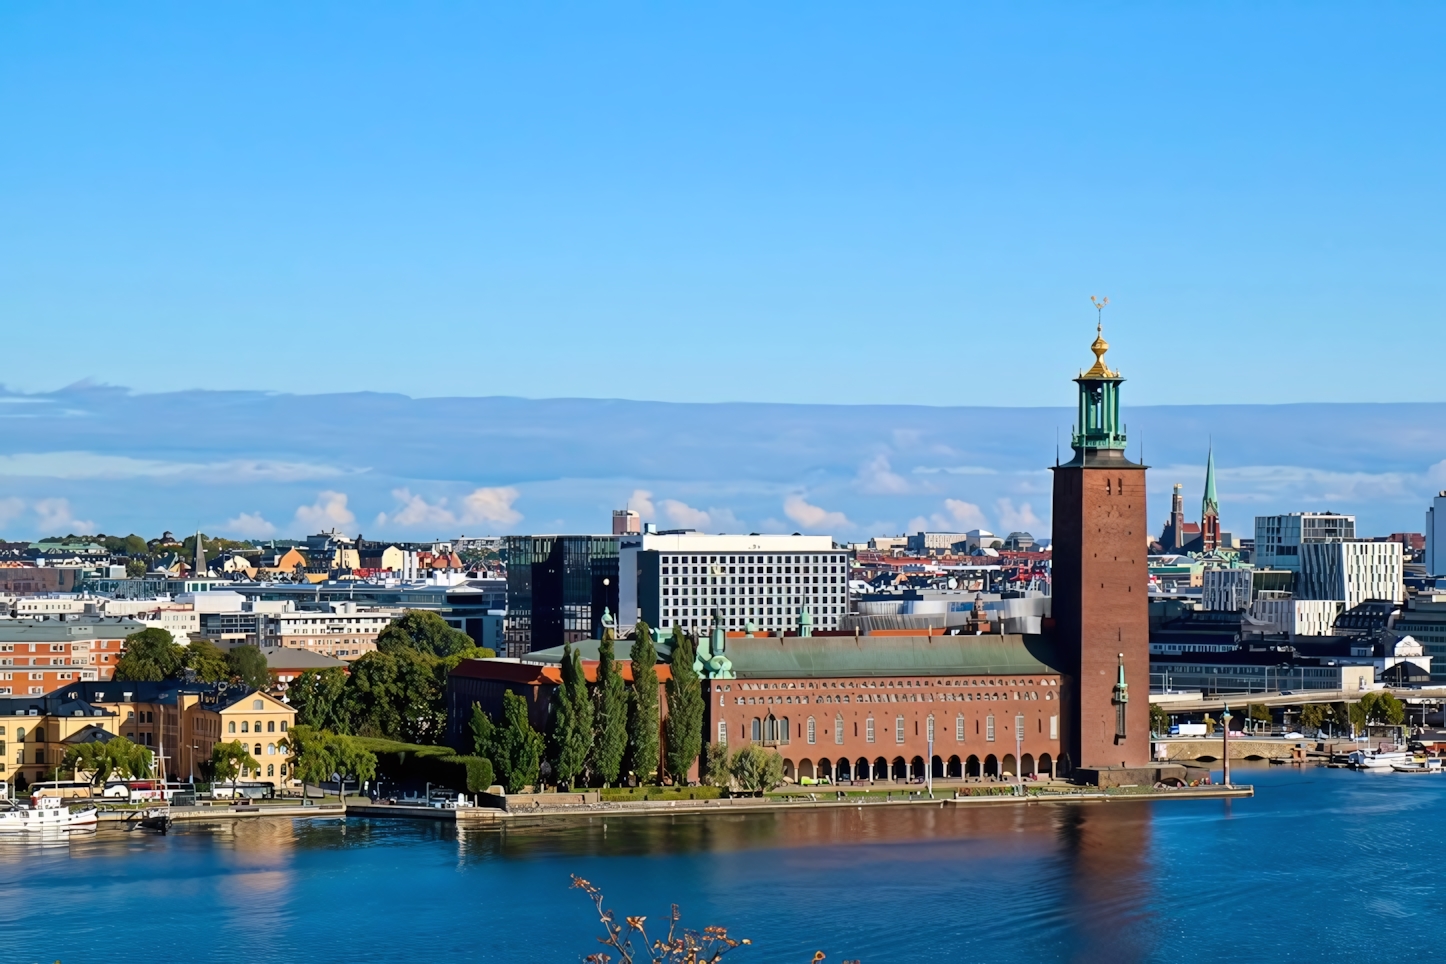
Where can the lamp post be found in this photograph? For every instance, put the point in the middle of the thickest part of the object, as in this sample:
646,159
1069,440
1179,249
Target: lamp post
1225,742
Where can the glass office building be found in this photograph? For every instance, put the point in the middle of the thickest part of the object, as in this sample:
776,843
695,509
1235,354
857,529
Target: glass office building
557,589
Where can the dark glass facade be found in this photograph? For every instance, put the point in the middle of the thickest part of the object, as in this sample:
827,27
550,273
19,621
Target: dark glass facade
557,589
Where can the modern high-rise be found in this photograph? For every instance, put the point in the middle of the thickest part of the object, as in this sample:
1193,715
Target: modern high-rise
1279,538
558,588
1352,571
1436,536
679,578
1102,626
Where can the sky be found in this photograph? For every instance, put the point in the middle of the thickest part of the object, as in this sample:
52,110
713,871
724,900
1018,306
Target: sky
902,204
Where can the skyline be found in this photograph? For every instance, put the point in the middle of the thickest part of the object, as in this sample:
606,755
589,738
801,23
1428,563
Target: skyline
253,464
795,205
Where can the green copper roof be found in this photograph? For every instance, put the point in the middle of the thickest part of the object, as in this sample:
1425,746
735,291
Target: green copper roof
1210,505
759,657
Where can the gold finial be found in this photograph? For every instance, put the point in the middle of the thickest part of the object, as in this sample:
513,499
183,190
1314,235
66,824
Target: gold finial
1100,346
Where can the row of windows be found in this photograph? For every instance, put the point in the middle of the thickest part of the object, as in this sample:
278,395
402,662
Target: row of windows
773,729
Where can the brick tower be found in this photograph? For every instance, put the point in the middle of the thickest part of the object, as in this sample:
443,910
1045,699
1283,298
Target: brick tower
1100,580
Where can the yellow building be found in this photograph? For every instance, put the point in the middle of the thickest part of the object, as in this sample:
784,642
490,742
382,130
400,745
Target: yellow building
36,731
261,722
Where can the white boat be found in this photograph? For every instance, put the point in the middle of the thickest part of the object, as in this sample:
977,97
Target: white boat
1381,759
46,814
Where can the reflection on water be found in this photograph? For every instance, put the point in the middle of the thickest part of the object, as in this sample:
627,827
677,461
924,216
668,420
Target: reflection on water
1116,882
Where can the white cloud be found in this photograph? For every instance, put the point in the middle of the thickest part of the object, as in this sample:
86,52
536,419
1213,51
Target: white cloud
250,525
92,465
328,511
55,517
490,505
684,516
877,477
812,516
641,502
1013,519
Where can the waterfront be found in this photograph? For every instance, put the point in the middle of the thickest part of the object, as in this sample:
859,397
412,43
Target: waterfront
1317,863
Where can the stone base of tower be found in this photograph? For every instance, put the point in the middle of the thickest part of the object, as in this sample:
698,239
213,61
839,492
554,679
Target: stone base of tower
1145,776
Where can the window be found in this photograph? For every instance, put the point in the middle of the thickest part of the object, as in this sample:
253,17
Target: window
869,729
959,728
812,731
231,727
989,727
898,729
838,729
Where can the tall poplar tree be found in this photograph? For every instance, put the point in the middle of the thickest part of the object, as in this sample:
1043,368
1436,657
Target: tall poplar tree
610,718
684,725
572,722
643,705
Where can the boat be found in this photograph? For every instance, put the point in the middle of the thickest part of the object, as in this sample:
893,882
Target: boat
1383,758
46,814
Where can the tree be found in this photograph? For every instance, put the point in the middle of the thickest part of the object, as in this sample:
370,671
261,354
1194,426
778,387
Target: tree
248,666
610,718
684,725
425,632
519,746
207,661
310,756
716,771
1159,719
150,656
755,769
572,720
643,705
229,761
319,699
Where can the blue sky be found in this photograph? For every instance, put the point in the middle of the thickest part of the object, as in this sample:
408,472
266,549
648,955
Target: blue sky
820,204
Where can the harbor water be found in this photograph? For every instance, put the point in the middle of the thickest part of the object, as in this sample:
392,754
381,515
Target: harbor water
1320,865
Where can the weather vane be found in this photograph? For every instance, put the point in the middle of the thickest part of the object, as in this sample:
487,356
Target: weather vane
1099,304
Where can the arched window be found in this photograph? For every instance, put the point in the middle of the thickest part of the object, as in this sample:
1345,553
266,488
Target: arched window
838,728
812,731
245,727
231,727
270,726
757,730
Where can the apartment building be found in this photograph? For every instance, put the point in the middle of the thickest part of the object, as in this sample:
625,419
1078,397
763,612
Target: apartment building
1279,538
38,656
679,579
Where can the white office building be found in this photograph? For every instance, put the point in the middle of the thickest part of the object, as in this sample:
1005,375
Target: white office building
678,579
1351,572
1226,590
1279,538
1436,536
1293,617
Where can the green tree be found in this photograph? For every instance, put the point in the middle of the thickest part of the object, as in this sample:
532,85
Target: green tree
1159,719
425,632
248,666
643,705
684,725
572,720
150,656
310,755
519,746
229,761
755,769
319,699
716,769
610,719
207,661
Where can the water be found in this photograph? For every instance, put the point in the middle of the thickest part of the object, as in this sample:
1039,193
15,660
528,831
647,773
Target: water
1321,865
